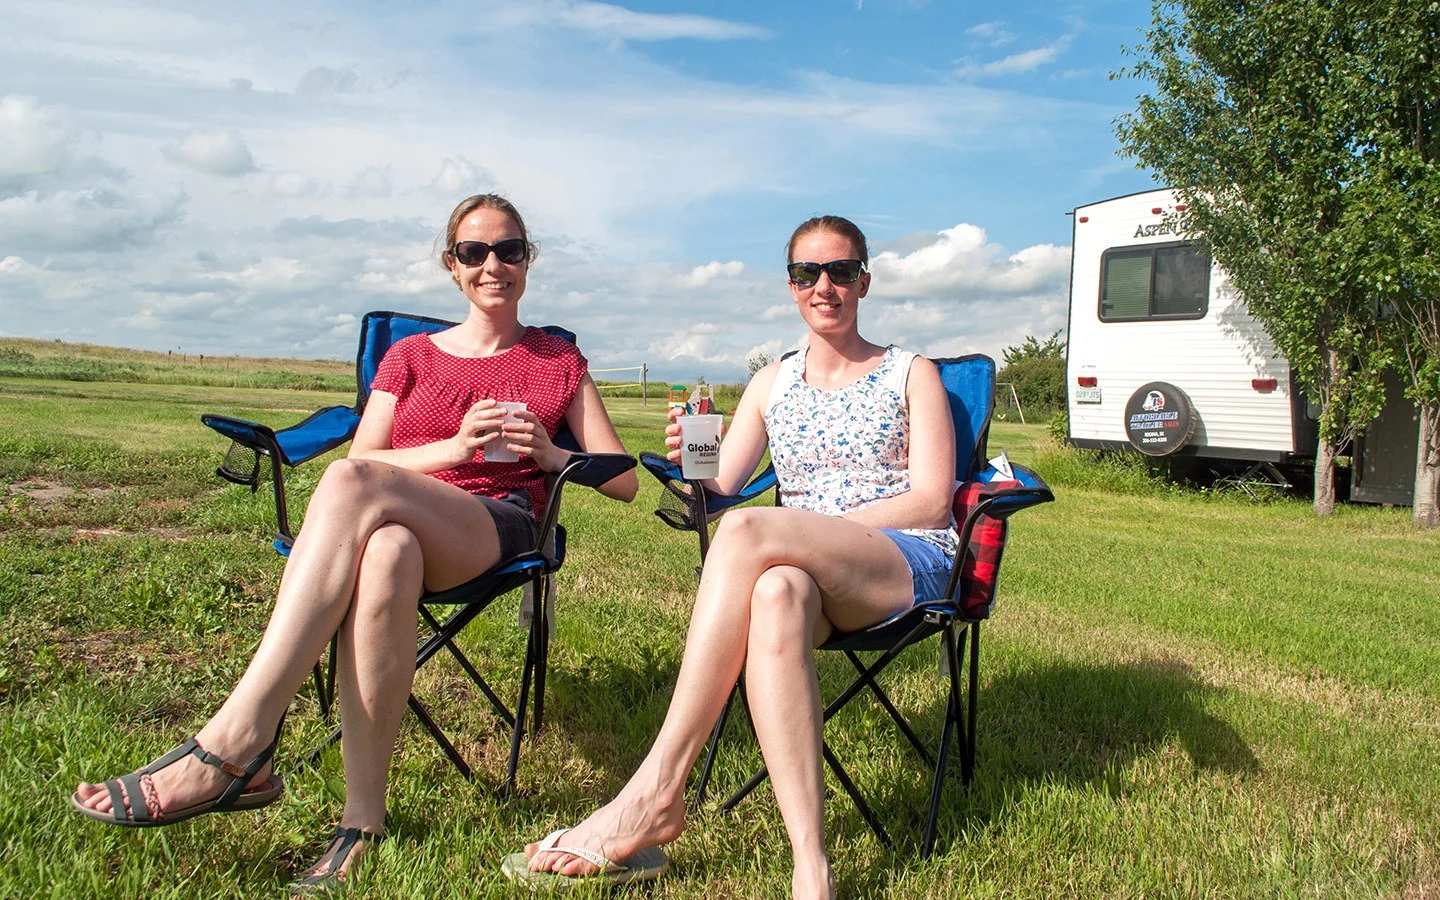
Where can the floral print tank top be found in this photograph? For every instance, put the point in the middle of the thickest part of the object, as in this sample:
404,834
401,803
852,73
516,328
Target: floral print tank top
840,450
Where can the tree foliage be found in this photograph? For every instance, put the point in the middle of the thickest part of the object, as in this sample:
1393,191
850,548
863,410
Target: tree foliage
1032,348
1280,125
1037,370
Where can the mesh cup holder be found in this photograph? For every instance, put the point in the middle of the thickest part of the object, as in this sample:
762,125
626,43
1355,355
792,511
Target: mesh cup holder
677,506
241,465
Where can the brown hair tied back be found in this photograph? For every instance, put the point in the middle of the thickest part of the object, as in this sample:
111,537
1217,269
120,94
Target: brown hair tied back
835,225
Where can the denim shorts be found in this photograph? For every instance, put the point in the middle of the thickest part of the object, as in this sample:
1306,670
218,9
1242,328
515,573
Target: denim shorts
929,565
514,522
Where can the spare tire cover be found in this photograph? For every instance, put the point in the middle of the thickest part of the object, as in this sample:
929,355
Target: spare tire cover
1159,419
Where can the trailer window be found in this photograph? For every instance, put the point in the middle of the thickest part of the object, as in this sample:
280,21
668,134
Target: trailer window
1165,281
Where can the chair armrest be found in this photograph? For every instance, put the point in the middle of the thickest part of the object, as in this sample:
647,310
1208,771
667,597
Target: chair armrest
589,469
1025,490
320,432
673,480
260,438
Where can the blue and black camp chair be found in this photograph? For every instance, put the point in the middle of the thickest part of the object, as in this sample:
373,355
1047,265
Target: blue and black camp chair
254,446
984,501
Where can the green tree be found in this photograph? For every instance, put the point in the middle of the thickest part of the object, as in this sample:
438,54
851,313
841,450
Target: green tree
1258,115
1402,264
1053,348
1037,370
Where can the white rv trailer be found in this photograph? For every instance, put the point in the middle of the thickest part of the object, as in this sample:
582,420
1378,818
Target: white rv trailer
1163,357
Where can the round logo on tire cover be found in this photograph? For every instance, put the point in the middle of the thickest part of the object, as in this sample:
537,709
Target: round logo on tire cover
1159,419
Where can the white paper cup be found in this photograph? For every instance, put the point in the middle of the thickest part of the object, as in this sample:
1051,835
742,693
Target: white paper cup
700,446
496,451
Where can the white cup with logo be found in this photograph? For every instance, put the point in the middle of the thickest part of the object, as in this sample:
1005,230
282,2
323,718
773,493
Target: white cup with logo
700,446
496,451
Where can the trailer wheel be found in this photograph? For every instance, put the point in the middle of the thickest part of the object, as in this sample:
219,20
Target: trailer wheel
1159,419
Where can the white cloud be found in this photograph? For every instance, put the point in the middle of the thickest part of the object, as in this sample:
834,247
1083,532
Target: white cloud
992,32
34,139
372,181
293,184
1016,63
14,265
325,80
963,259
702,275
220,153
460,177
93,219
617,22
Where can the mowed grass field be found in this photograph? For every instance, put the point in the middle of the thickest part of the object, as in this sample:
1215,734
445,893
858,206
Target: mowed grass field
1181,694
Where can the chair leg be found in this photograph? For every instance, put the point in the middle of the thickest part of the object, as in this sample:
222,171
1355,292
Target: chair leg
542,590
714,747
330,678
884,700
423,715
968,758
854,792
314,752
443,635
520,704
322,698
949,725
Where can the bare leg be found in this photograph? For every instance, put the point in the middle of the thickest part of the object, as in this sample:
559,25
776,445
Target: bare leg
784,694
376,667
456,538
862,578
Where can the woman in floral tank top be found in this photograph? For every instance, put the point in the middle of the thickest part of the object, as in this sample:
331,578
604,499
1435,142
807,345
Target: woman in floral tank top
863,445
416,505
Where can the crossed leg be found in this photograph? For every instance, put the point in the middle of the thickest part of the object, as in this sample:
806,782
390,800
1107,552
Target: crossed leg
776,582
373,535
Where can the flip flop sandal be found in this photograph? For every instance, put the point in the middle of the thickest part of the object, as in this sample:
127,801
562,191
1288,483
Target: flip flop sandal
137,785
645,865
336,854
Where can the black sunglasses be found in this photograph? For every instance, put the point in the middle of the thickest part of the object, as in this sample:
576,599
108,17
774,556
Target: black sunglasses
841,271
474,253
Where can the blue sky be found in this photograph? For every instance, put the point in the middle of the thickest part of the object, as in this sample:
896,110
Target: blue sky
251,178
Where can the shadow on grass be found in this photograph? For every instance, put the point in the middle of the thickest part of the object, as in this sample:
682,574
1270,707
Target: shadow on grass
1071,724
1081,725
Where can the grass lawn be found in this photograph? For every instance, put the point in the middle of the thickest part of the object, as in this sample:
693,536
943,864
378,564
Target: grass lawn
1181,694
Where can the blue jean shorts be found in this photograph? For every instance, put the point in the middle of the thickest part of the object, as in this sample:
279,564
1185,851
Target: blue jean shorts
929,565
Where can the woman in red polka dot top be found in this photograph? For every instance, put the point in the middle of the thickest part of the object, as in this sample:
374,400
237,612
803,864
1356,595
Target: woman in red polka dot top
415,506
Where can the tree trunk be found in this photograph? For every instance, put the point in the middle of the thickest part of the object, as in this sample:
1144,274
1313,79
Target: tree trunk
1325,479
1427,467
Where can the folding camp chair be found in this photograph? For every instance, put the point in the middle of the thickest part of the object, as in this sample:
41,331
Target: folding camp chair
255,444
984,500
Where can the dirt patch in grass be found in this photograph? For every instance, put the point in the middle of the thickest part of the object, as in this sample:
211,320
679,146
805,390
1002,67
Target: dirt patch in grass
105,653
166,533
47,492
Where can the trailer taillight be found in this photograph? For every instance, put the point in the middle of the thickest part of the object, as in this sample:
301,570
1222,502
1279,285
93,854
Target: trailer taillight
1263,385
1087,381
1179,207
1084,218
1156,210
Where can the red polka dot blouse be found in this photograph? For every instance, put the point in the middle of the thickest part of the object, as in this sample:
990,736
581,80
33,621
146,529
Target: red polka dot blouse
434,389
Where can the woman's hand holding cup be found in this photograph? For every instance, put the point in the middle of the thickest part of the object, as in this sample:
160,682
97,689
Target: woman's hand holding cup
479,427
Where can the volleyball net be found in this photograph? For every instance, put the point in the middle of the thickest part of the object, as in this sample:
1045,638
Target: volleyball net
641,371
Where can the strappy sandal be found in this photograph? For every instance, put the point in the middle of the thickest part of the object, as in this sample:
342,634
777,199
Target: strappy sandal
336,855
138,788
